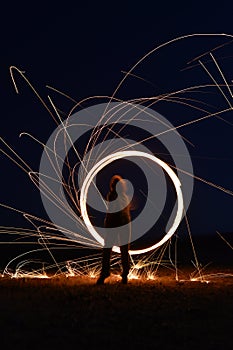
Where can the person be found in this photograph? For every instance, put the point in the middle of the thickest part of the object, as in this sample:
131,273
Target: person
117,219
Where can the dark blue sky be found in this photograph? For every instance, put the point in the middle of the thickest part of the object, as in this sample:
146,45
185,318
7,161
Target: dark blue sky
81,48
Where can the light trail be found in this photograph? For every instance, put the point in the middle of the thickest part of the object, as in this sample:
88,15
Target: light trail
103,163
52,238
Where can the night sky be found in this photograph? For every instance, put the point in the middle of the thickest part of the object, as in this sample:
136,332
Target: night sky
81,48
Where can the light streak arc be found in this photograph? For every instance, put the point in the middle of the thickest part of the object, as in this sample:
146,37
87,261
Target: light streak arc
118,155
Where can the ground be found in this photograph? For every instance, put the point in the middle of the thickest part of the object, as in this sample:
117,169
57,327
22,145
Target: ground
74,312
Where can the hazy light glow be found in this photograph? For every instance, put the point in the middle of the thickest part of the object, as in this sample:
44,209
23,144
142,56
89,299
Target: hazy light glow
118,155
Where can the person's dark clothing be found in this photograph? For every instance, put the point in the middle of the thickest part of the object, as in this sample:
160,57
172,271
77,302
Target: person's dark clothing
116,218
106,257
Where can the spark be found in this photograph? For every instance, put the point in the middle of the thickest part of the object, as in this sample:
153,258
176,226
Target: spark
218,86
224,239
13,68
50,238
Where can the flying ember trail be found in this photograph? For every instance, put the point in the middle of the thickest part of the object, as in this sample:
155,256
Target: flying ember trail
102,135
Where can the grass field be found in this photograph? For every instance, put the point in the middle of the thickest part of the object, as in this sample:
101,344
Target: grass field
75,313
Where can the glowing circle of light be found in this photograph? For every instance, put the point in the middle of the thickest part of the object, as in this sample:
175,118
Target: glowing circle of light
118,155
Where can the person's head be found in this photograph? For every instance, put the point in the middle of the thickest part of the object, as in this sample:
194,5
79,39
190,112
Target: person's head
118,181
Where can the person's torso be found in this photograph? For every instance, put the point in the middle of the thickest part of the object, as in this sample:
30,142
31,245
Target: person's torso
118,213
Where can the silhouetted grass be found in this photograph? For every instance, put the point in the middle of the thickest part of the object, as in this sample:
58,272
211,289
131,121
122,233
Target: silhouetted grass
76,313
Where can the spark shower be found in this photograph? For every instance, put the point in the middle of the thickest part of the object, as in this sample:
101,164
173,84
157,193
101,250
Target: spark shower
65,198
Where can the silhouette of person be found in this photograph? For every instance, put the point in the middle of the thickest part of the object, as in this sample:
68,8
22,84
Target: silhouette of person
118,218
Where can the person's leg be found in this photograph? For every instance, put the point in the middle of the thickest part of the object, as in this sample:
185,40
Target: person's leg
105,270
106,261
125,262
